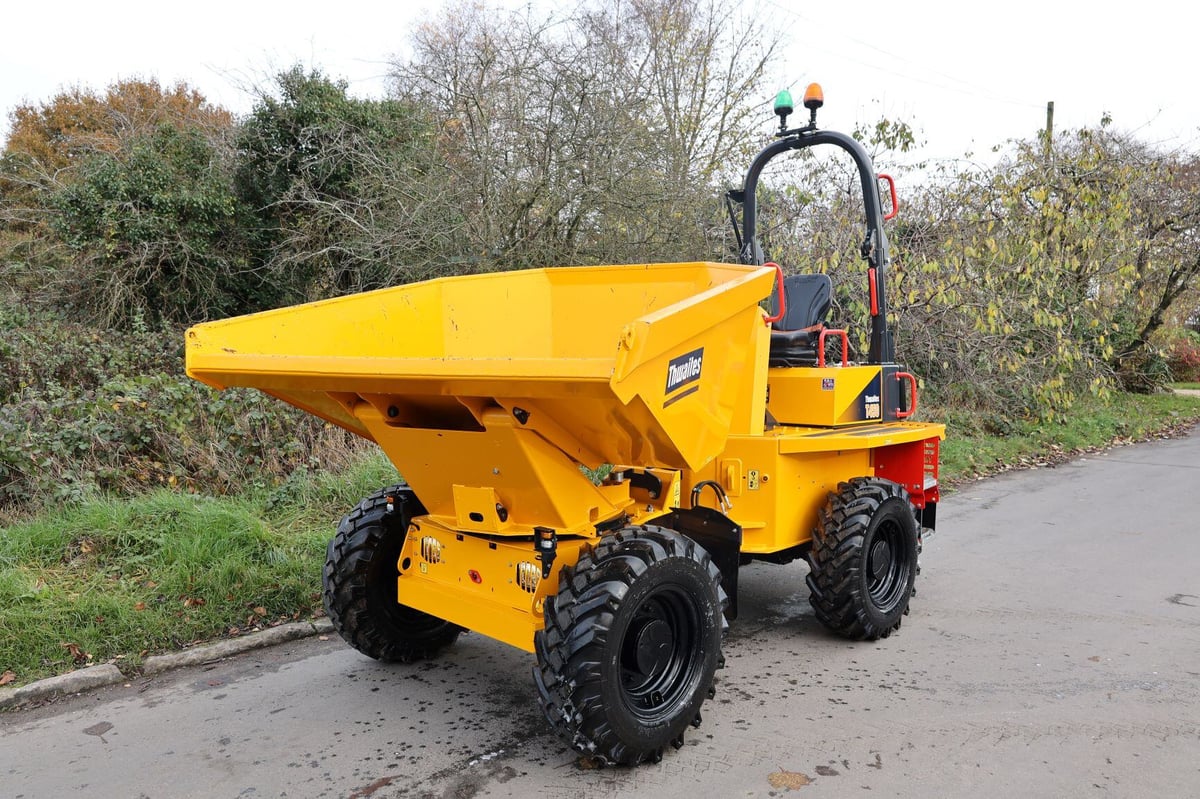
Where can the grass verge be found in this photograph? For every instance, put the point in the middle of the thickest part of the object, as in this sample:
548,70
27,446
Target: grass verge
110,581
1094,424
114,580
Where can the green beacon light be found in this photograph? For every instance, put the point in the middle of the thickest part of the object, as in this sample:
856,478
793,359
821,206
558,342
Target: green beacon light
783,107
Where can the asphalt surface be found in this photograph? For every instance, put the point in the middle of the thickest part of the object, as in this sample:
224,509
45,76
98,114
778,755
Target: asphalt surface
1053,650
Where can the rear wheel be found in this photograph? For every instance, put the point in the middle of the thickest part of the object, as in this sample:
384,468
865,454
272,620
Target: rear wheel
863,562
631,644
360,582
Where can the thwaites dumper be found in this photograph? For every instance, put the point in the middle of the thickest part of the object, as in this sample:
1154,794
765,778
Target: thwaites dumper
591,453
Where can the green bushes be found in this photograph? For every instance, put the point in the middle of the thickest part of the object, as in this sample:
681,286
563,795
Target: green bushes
1021,288
44,352
157,231
84,411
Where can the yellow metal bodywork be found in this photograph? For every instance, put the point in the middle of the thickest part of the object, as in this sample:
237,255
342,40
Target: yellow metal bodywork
489,392
830,396
587,348
492,586
776,482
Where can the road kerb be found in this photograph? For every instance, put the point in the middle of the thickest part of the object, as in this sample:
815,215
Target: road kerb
108,674
70,683
195,656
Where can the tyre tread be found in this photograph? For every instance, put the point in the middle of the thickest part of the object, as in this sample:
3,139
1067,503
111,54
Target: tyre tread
578,619
346,584
835,559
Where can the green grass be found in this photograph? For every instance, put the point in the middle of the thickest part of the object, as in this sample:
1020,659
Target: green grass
113,580
1093,423
1187,386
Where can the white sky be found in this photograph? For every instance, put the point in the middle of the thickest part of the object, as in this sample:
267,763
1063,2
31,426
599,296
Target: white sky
966,75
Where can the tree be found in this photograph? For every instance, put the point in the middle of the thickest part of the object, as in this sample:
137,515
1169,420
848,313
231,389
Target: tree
157,232
342,187
105,194
1015,287
601,135
1027,283
1165,272
47,142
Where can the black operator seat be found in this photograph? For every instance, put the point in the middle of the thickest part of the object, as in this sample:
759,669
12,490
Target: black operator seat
794,337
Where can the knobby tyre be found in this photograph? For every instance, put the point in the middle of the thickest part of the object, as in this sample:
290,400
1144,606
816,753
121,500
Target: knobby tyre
863,561
359,583
631,644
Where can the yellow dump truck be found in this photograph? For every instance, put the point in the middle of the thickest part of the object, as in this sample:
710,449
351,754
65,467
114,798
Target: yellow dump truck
589,455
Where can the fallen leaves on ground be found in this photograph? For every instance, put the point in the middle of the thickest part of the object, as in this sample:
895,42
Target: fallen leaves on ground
7,677
792,780
77,654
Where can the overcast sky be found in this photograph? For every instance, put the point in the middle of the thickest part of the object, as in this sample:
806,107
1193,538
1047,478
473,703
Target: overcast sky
967,75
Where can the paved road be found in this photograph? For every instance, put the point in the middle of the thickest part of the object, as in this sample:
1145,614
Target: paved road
1053,650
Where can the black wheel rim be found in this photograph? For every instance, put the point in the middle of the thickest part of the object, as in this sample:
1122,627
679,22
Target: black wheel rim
888,566
660,655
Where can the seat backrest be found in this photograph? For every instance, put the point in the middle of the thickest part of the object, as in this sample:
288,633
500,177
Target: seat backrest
808,300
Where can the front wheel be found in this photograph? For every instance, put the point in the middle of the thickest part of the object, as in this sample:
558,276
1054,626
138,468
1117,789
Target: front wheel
863,562
360,579
631,644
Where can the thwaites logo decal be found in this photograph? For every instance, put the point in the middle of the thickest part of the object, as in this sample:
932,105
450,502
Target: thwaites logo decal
683,375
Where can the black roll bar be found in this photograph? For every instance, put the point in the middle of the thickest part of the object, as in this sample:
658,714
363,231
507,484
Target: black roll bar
874,247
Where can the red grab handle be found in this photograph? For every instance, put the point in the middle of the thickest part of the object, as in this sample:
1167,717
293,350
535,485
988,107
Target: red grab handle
779,289
829,331
892,191
912,408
